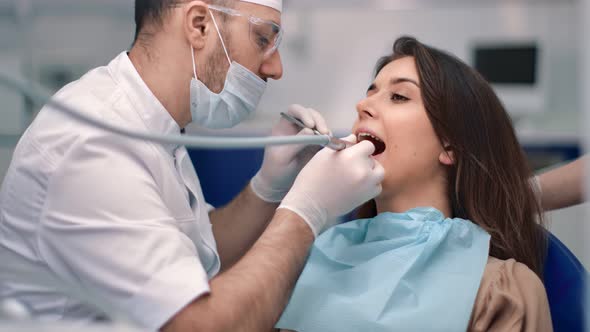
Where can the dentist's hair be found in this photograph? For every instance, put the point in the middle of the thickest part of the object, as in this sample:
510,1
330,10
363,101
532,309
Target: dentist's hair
153,12
489,180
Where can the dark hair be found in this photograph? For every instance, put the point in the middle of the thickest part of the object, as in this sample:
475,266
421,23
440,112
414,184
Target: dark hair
153,11
489,181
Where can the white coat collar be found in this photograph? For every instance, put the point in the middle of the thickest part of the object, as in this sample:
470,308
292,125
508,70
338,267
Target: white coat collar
152,112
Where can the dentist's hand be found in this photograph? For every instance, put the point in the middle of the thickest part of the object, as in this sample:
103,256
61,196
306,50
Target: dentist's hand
334,183
282,163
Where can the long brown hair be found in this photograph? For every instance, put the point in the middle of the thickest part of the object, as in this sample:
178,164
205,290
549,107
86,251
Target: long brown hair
489,181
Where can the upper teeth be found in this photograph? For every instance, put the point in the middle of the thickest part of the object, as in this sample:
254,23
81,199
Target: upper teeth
368,135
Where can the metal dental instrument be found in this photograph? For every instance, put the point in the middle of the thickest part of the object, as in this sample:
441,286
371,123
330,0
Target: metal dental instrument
336,144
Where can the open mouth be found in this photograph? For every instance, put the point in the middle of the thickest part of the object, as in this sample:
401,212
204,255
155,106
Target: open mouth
377,142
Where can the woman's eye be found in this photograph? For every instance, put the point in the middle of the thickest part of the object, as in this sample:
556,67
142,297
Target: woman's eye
398,98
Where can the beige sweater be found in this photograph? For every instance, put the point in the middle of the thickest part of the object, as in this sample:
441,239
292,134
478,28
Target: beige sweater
510,298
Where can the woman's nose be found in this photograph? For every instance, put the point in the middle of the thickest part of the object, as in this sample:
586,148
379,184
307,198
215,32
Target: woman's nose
364,109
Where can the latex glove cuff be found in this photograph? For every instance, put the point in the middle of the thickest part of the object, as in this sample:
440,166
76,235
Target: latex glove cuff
264,190
314,215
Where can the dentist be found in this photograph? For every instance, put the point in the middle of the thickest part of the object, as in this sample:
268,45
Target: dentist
126,220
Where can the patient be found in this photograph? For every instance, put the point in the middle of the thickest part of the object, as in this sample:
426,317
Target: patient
453,242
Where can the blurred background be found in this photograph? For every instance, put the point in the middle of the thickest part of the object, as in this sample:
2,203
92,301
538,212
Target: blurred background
531,50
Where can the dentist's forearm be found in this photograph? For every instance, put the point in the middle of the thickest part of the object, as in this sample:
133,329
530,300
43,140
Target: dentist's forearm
563,186
238,225
252,294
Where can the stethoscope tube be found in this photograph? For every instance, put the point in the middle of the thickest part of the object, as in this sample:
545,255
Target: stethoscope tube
204,142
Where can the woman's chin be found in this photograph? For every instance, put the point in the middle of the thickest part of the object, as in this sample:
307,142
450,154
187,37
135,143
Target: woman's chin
380,157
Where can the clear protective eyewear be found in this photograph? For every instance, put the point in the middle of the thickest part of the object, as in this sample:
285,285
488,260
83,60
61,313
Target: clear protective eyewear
265,34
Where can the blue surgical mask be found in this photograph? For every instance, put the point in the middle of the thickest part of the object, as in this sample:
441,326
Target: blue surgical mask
241,95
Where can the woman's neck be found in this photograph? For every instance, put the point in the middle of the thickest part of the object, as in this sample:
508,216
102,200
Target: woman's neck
433,195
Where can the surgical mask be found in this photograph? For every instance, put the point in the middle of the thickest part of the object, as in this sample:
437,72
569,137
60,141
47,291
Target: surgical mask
241,95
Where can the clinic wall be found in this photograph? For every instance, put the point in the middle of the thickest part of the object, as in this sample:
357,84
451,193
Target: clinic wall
62,44
329,55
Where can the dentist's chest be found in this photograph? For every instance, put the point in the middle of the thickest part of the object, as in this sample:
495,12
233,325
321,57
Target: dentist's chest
182,194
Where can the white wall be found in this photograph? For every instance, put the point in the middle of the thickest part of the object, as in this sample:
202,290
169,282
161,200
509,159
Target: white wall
329,55
77,39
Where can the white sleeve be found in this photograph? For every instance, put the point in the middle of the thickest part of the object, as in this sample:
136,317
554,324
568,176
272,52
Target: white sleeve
106,229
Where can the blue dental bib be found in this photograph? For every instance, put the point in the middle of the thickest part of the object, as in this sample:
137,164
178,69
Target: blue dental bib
412,271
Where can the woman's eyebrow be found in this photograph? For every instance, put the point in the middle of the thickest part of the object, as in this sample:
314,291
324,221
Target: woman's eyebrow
398,80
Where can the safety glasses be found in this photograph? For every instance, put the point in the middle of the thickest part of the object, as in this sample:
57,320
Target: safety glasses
266,35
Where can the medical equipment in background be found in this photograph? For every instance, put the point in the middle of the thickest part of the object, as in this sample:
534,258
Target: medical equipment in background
207,142
517,70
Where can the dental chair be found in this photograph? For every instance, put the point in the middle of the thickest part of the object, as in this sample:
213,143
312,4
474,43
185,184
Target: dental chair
564,279
225,173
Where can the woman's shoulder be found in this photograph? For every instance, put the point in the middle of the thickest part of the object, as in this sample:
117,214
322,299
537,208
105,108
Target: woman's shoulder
498,270
510,297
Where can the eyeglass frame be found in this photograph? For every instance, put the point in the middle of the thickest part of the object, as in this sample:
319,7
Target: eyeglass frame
256,21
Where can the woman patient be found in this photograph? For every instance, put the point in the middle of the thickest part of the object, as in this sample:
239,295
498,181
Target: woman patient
453,242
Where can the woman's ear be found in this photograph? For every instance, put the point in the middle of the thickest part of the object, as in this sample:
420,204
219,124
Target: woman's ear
197,22
447,157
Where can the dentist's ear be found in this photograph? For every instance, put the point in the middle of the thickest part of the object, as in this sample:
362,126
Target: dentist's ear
197,23
447,157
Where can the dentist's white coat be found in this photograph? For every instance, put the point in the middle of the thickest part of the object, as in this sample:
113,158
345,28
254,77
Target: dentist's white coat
122,219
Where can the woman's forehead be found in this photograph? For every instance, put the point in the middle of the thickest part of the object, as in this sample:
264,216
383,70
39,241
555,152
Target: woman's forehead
401,68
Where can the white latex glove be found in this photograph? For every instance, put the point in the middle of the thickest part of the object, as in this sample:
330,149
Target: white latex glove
282,163
334,183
